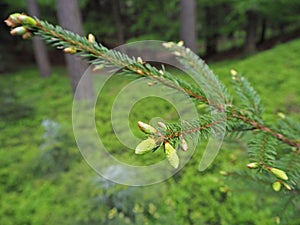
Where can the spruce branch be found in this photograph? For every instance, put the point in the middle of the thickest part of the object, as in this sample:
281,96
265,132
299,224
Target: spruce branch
247,95
240,119
262,150
251,116
278,166
97,54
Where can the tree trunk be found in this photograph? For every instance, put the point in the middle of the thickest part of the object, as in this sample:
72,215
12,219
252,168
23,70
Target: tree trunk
118,21
188,23
69,17
211,36
39,48
251,30
263,31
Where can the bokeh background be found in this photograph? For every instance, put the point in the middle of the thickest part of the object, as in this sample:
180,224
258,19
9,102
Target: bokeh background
44,179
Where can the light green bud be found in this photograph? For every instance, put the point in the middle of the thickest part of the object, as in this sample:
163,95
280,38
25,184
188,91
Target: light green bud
168,44
91,38
139,60
253,165
162,125
224,173
288,187
281,115
180,43
233,72
146,128
18,31
27,20
14,16
183,143
276,186
279,173
145,146
12,20
171,155
70,50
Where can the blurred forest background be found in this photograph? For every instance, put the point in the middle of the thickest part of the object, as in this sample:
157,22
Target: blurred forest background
44,179
210,28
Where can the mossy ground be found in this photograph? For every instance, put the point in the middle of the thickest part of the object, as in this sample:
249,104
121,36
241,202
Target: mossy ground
44,179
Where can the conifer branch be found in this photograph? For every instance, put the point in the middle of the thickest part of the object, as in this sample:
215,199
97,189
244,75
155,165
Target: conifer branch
280,170
262,127
246,118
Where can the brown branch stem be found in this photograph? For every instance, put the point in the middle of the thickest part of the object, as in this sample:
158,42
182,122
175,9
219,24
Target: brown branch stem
144,72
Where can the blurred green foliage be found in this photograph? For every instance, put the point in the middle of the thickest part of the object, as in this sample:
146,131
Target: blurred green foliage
279,70
139,20
44,180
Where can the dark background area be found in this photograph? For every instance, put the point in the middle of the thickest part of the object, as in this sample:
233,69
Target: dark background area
223,28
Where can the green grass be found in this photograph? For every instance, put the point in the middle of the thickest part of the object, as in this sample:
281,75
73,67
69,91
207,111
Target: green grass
46,181
274,74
